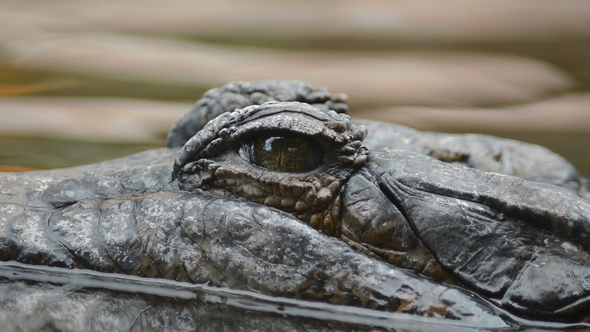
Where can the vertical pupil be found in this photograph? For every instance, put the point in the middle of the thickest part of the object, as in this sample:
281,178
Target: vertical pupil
285,152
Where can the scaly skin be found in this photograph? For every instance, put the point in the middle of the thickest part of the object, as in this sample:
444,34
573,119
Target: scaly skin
188,215
125,217
485,230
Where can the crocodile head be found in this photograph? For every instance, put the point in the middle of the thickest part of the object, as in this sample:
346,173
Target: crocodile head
522,244
250,149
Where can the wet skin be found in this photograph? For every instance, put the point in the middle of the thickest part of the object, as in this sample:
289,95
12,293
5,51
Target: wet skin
352,223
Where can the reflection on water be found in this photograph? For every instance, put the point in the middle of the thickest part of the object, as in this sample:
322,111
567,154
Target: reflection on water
78,300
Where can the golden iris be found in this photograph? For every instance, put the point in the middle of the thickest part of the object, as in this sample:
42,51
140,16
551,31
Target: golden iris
285,152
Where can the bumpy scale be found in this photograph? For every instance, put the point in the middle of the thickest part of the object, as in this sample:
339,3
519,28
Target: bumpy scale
208,160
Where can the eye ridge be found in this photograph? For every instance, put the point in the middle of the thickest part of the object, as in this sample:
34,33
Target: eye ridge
309,191
283,151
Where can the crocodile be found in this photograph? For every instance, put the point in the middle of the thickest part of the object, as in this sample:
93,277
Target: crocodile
270,191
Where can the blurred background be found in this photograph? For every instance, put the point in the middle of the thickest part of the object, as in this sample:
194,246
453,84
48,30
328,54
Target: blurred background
83,81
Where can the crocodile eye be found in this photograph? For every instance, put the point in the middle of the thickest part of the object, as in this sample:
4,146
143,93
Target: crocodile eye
283,151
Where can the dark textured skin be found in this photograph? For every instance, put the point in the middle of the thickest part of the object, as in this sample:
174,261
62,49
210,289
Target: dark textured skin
123,217
241,94
521,244
312,197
